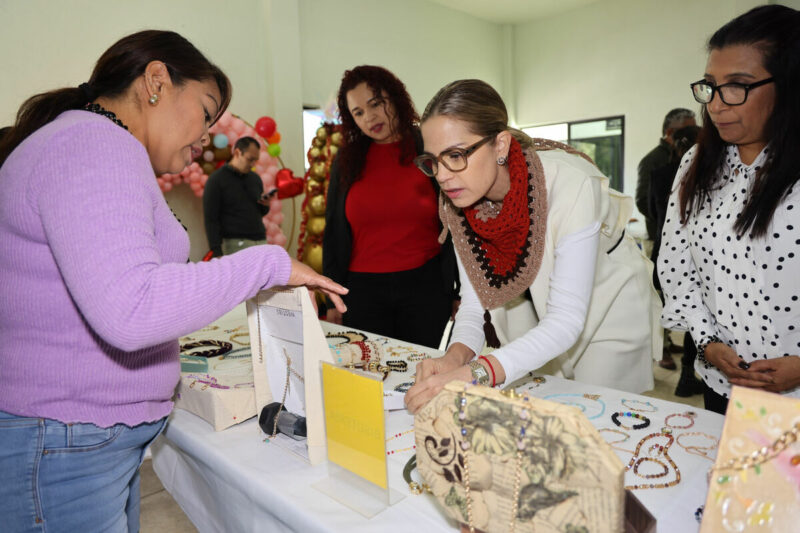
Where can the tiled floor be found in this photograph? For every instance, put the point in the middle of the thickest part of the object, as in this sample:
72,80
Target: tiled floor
160,513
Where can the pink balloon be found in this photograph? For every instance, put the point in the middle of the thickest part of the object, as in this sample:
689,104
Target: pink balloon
277,218
238,126
167,187
198,192
279,240
275,204
225,120
204,179
195,186
208,155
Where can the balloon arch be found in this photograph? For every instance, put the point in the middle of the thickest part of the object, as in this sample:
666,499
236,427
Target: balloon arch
224,134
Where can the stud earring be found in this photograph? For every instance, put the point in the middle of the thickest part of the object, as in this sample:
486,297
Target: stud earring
153,99
501,160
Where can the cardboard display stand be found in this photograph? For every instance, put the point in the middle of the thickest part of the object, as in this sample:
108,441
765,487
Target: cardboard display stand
288,346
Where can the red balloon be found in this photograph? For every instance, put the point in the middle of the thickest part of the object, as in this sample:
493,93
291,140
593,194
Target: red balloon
287,184
265,126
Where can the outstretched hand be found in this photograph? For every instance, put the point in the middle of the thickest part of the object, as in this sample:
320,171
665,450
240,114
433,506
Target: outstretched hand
303,274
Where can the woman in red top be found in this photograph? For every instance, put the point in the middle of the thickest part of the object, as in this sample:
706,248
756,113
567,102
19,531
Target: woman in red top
382,224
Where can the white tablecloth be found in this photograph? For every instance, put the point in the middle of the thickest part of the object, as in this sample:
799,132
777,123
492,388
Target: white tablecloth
232,481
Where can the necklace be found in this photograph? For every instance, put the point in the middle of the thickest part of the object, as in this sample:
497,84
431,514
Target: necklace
689,415
222,348
289,371
696,449
100,110
652,408
645,421
398,435
636,461
579,405
625,436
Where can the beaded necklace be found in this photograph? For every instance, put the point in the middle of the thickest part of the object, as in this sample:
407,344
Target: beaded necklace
689,415
100,110
696,449
662,451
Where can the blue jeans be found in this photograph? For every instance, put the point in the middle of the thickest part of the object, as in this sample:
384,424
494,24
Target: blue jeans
70,477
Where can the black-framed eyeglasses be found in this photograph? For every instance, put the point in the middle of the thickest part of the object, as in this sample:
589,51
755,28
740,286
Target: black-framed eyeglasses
454,159
731,93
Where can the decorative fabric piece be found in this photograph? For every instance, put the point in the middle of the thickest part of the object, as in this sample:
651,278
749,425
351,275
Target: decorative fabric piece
502,251
478,448
754,484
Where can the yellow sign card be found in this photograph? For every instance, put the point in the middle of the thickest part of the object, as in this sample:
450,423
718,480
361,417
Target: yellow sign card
354,423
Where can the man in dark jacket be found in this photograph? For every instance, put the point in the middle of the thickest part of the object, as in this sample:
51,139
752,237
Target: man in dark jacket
234,202
659,157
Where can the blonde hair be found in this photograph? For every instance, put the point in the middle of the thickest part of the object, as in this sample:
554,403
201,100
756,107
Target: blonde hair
476,103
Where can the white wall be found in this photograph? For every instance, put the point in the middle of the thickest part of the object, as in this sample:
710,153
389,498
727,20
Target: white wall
424,44
50,44
630,57
617,57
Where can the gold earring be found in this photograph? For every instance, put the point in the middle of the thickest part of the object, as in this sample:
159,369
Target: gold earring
153,99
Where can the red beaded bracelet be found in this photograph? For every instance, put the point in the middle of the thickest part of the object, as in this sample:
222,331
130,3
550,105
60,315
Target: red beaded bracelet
494,379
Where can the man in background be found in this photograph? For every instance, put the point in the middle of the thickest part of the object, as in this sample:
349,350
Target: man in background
659,157
234,202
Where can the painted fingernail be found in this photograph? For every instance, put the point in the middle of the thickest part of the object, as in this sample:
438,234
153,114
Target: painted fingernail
744,365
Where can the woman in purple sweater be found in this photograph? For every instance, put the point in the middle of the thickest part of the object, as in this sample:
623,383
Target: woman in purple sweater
95,286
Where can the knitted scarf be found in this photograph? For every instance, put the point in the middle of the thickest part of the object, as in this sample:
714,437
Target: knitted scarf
500,242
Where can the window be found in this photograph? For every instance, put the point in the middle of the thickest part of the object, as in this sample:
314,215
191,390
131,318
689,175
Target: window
602,139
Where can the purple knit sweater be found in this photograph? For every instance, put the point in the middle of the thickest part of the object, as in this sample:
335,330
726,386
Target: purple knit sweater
95,288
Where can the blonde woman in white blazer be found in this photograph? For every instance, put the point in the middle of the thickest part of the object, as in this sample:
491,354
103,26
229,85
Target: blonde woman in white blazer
537,216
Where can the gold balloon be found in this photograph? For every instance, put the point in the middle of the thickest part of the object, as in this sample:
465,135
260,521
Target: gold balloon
222,154
317,205
319,143
333,149
319,171
312,256
314,153
322,133
337,138
208,168
315,225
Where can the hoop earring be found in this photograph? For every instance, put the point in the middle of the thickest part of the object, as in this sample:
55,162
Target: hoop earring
501,160
153,99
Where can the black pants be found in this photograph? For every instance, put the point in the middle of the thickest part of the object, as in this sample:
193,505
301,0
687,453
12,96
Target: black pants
713,401
410,305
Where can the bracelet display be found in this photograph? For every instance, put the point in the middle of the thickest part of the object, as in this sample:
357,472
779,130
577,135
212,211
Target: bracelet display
701,350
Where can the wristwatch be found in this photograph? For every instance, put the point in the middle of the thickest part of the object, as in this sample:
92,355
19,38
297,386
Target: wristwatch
479,373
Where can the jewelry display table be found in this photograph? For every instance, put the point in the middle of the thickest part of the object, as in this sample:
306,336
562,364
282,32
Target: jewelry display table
231,481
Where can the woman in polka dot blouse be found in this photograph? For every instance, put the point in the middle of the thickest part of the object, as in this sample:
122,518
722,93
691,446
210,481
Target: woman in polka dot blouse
731,241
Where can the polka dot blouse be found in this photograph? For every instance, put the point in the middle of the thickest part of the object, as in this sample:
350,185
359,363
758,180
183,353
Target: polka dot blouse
741,290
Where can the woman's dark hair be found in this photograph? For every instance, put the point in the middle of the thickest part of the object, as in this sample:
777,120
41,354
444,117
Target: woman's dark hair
353,153
775,31
113,74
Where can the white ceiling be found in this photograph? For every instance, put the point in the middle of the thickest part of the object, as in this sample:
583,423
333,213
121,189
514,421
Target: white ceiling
512,11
